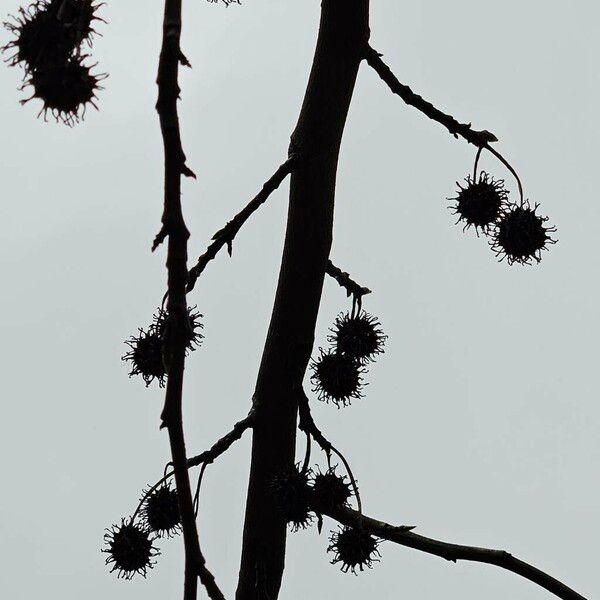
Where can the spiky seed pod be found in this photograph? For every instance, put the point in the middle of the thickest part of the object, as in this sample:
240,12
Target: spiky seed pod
480,203
336,377
520,235
65,89
194,337
47,32
353,548
357,335
145,356
160,512
291,494
129,548
330,490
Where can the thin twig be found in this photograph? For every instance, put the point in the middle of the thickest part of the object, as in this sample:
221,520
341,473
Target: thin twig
307,424
306,463
198,484
225,236
223,444
177,330
205,458
464,130
452,552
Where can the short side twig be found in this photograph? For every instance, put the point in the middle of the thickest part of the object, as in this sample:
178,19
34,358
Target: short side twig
403,536
223,444
464,130
352,288
226,235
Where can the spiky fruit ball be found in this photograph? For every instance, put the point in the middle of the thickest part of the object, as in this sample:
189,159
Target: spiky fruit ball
520,235
480,203
358,335
130,550
160,512
291,494
65,89
145,356
330,490
49,31
353,548
336,377
194,337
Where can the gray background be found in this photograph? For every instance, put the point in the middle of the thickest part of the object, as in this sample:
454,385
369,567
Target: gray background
480,422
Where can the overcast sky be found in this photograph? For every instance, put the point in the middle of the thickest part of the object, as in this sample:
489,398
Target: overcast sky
480,422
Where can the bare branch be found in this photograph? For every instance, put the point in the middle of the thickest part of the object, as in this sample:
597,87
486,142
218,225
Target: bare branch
480,139
223,444
453,552
226,235
352,288
176,338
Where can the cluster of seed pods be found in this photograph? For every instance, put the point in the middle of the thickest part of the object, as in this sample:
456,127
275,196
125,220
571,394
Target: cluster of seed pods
515,231
130,545
356,339
49,40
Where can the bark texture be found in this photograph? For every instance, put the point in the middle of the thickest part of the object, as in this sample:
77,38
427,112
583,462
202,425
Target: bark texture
343,35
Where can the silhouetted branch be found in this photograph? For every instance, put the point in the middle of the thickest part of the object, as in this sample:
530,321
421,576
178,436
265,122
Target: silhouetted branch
343,32
307,424
223,444
177,331
226,235
352,288
452,552
480,139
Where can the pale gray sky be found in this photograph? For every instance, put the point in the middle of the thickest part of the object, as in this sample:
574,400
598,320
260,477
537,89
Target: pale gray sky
480,423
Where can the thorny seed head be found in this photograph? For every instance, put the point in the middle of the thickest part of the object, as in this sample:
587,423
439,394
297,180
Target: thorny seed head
480,203
336,377
160,512
65,89
331,490
129,548
145,356
291,493
358,336
353,548
194,337
520,235
47,33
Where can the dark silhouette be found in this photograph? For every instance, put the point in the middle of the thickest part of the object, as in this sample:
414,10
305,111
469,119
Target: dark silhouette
48,40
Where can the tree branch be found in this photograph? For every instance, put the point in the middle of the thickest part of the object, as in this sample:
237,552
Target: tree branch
316,140
177,330
352,288
223,444
226,235
452,552
481,139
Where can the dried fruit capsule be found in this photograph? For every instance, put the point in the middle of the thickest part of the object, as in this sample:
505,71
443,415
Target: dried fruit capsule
480,203
194,337
357,335
145,356
49,31
353,548
65,89
291,493
129,549
520,235
330,490
160,512
336,377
